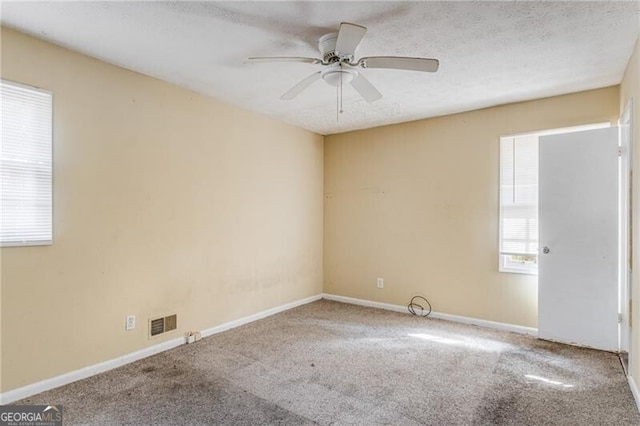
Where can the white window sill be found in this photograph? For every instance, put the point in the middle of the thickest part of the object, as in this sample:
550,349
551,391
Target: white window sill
525,271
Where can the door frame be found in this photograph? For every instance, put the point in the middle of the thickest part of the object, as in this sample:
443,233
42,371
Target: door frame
625,175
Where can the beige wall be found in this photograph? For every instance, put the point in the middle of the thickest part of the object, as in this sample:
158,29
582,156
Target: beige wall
630,89
165,202
417,204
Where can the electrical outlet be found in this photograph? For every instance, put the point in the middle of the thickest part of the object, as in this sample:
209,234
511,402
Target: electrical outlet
380,282
131,322
193,336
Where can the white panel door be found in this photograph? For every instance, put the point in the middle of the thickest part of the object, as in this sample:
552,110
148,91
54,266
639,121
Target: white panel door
578,235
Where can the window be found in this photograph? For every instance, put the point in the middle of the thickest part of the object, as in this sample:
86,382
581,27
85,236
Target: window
519,204
25,166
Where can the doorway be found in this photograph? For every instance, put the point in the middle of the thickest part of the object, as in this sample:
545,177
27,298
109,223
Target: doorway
521,252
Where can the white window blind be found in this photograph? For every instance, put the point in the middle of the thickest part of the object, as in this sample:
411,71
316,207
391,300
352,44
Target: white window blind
519,195
25,166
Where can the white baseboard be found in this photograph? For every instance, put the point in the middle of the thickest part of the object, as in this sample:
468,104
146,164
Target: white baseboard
369,303
260,315
83,373
91,370
455,318
634,391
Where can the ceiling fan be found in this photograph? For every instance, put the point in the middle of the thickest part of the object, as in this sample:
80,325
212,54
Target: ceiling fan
338,56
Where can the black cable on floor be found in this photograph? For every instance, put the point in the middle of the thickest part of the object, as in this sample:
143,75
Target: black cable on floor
413,306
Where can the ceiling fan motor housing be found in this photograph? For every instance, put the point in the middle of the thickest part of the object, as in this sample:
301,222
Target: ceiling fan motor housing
327,47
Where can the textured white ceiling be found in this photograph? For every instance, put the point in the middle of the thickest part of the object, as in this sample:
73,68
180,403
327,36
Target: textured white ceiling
490,52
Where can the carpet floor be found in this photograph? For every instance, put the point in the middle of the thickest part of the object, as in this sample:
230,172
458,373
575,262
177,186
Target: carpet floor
333,363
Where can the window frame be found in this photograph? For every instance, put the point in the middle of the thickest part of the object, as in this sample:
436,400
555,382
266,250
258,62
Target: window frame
510,266
26,242
506,261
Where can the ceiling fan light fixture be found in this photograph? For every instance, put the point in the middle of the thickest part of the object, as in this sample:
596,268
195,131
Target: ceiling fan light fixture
336,76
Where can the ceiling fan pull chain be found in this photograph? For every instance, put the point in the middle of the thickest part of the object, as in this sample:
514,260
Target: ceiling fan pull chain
337,105
341,75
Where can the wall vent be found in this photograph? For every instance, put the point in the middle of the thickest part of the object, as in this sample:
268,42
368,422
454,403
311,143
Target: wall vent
162,325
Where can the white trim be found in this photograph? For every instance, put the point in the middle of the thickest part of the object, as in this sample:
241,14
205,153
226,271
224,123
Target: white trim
28,87
624,259
368,303
488,324
510,267
92,370
83,373
634,391
558,130
258,316
449,317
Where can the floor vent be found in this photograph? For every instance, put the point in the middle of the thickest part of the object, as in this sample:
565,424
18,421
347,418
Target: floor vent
162,325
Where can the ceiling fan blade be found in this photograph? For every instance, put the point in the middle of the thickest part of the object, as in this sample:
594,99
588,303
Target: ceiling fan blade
349,37
400,63
365,88
295,90
283,59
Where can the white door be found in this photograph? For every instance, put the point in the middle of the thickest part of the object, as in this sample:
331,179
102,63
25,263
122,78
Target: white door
578,234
